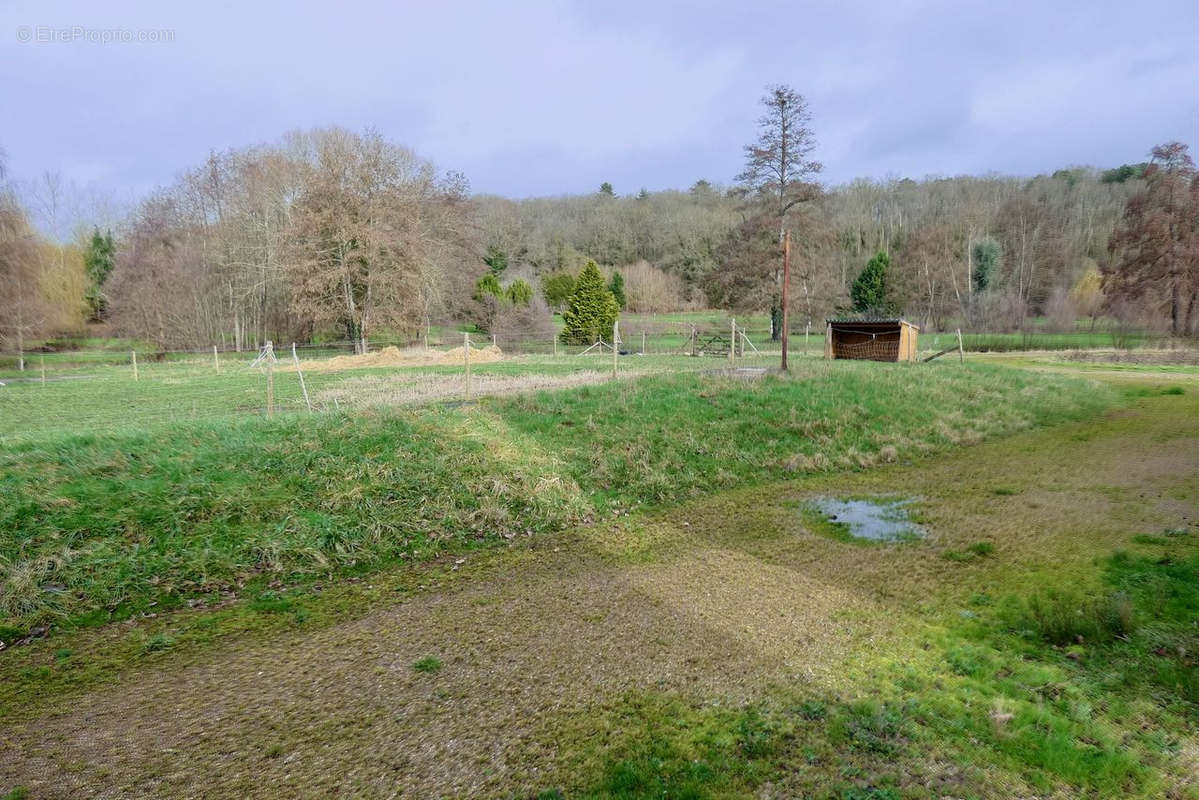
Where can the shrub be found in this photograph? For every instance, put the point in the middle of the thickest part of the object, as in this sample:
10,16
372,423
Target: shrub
651,290
556,288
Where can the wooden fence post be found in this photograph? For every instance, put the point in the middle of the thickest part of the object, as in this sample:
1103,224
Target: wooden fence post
133,354
733,340
961,350
42,363
642,342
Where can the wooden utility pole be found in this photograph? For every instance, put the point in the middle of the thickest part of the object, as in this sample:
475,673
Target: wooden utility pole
786,292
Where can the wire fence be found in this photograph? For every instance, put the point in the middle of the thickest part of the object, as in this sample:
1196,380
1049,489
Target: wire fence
98,391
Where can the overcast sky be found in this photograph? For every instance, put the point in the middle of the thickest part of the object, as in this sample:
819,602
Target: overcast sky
531,97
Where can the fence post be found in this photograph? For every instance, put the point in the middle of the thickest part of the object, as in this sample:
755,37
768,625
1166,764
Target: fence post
303,388
693,340
466,359
216,361
493,341
270,379
41,359
615,346
961,350
642,342
133,354
555,345
807,332
733,341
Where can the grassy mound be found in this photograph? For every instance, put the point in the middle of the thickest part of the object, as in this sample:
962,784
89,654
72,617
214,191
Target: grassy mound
99,527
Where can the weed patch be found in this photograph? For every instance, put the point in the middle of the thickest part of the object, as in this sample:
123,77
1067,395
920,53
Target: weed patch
428,664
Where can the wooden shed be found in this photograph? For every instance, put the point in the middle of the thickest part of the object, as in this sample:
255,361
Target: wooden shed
871,339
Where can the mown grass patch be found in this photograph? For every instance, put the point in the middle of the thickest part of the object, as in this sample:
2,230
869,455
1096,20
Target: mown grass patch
1007,704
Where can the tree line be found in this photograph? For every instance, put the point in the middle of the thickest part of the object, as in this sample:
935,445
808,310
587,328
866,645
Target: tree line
342,235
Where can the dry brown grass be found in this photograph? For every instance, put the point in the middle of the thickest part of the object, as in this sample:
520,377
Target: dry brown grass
392,356
415,389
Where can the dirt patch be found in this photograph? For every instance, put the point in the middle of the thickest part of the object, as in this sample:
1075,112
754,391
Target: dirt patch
342,710
393,356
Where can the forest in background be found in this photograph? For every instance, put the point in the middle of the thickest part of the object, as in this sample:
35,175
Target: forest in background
332,234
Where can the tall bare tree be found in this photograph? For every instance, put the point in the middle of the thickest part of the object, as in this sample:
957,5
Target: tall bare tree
779,172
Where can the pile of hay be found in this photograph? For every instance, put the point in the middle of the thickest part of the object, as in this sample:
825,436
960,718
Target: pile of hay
393,356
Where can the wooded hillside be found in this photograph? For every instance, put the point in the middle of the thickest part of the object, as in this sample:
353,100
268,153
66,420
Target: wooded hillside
341,235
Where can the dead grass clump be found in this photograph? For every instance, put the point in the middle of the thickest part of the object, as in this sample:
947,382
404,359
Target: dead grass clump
376,391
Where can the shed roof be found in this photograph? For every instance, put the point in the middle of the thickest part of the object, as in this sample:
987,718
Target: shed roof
867,320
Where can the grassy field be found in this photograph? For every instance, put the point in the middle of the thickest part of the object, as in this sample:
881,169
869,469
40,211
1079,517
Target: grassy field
110,400
624,596
107,524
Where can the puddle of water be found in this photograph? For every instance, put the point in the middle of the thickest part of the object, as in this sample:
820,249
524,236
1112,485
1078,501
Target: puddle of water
876,520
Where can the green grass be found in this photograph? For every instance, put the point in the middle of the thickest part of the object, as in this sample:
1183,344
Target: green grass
1004,695
100,527
428,664
166,394
959,678
1037,340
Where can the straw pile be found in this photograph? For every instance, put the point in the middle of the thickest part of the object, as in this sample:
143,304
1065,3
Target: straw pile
392,356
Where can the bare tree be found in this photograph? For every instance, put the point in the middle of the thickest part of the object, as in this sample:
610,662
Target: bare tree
779,171
368,227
